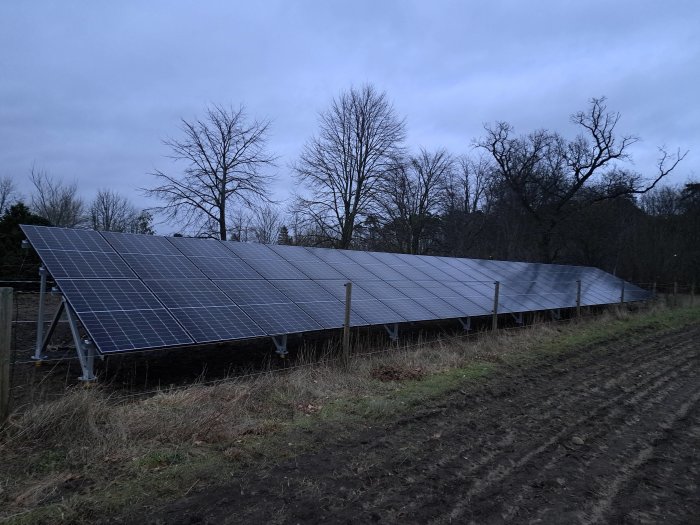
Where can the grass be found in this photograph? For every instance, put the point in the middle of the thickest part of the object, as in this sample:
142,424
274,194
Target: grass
85,455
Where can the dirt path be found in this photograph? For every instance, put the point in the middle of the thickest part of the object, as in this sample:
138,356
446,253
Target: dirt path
608,435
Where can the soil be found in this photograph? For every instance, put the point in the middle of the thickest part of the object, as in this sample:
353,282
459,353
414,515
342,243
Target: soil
606,434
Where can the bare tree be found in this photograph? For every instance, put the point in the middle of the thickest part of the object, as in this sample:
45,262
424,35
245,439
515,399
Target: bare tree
110,211
225,156
8,192
467,198
342,167
265,224
411,195
56,201
467,187
548,174
665,201
240,226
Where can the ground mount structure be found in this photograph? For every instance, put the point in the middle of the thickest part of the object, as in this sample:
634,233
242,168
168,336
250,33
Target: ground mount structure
141,292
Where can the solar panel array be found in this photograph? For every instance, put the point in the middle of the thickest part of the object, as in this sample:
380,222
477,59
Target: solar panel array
135,292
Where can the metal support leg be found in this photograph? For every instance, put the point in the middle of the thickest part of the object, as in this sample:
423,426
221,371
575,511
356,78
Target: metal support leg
518,318
556,314
38,351
85,349
622,293
52,327
280,344
466,323
392,330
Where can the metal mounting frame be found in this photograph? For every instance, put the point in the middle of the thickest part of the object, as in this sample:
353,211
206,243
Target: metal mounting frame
84,347
40,341
392,330
518,318
280,342
556,314
466,323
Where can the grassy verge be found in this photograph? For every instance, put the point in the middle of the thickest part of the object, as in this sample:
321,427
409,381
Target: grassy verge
85,456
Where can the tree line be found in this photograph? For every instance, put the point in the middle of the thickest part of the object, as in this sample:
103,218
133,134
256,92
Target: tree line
537,196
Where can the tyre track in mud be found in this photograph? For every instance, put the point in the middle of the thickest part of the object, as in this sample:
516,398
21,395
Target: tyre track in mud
608,433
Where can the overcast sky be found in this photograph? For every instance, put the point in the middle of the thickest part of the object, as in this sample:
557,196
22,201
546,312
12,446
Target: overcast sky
88,89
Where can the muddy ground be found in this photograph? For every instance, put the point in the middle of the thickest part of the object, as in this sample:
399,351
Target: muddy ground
607,434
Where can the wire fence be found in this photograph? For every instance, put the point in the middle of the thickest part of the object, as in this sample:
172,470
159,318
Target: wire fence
32,382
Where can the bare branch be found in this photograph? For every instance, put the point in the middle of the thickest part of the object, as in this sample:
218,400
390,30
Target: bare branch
56,201
225,165
342,167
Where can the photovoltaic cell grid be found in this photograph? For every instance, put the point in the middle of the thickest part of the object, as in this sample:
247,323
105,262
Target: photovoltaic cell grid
138,291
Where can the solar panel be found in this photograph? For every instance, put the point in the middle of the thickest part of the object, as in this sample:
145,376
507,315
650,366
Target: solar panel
320,304
363,303
405,270
424,265
206,312
122,314
195,247
70,264
76,254
140,244
470,270
213,259
217,323
265,261
50,238
268,307
405,307
483,304
134,292
345,266
308,263
188,294
465,306
98,295
168,267
420,292
373,266
123,330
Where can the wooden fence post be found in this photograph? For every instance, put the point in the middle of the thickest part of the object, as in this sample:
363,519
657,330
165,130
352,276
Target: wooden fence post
494,320
5,348
346,324
578,298
692,294
675,294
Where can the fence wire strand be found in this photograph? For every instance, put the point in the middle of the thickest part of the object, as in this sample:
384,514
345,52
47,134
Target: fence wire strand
325,359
